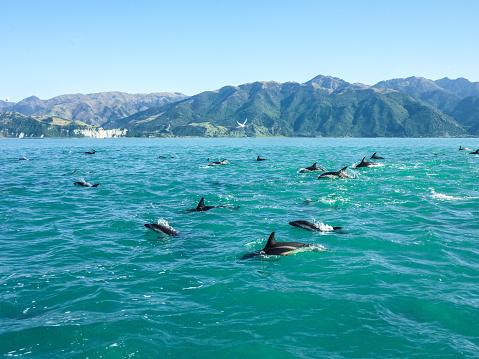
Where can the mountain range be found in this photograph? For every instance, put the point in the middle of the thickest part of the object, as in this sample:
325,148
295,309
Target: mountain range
93,109
325,106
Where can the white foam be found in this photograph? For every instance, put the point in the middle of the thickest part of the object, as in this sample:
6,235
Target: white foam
164,222
322,227
444,197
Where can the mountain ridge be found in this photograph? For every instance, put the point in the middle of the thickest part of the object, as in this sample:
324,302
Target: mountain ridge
322,106
94,108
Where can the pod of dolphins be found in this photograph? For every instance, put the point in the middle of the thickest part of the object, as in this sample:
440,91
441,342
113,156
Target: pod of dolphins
272,247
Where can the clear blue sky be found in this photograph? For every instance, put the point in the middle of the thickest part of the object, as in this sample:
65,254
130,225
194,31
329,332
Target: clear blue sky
49,48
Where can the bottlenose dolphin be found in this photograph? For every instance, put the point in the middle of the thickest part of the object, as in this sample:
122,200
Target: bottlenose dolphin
277,248
314,167
165,157
313,227
339,174
261,159
376,157
161,229
85,184
476,152
90,153
23,159
217,163
365,163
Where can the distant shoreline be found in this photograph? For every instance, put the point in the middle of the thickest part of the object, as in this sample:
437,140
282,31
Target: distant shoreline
224,137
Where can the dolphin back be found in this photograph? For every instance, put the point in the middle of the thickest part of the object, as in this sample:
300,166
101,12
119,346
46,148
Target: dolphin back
158,228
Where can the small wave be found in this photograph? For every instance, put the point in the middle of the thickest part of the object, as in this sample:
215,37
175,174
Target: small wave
254,244
444,197
320,248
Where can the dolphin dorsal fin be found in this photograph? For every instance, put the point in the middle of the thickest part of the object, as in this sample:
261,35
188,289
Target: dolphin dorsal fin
343,169
374,154
363,160
271,241
314,164
201,204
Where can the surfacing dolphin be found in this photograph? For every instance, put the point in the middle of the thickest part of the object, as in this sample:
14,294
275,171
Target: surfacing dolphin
376,157
365,163
82,183
90,153
70,173
161,229
218,163
202,208
277,248
339,174
313,226
476,152
261,159
314,167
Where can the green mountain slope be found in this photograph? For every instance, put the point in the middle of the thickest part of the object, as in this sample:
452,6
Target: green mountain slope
467,114
13,124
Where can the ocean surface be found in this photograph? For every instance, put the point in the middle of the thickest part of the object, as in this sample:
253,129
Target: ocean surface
82,277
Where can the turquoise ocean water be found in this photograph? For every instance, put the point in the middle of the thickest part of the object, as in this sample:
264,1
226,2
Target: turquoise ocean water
81,277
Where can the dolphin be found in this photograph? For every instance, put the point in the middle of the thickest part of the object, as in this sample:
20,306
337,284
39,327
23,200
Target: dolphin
165,157
339,174
70,173
261,159
85,184
277,248
314,167
90,153
202,208
161,229
217,163
365,163
476,152
313,227
23,159
376,157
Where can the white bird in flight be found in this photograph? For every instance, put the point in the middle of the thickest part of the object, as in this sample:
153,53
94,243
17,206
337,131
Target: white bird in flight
242,124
